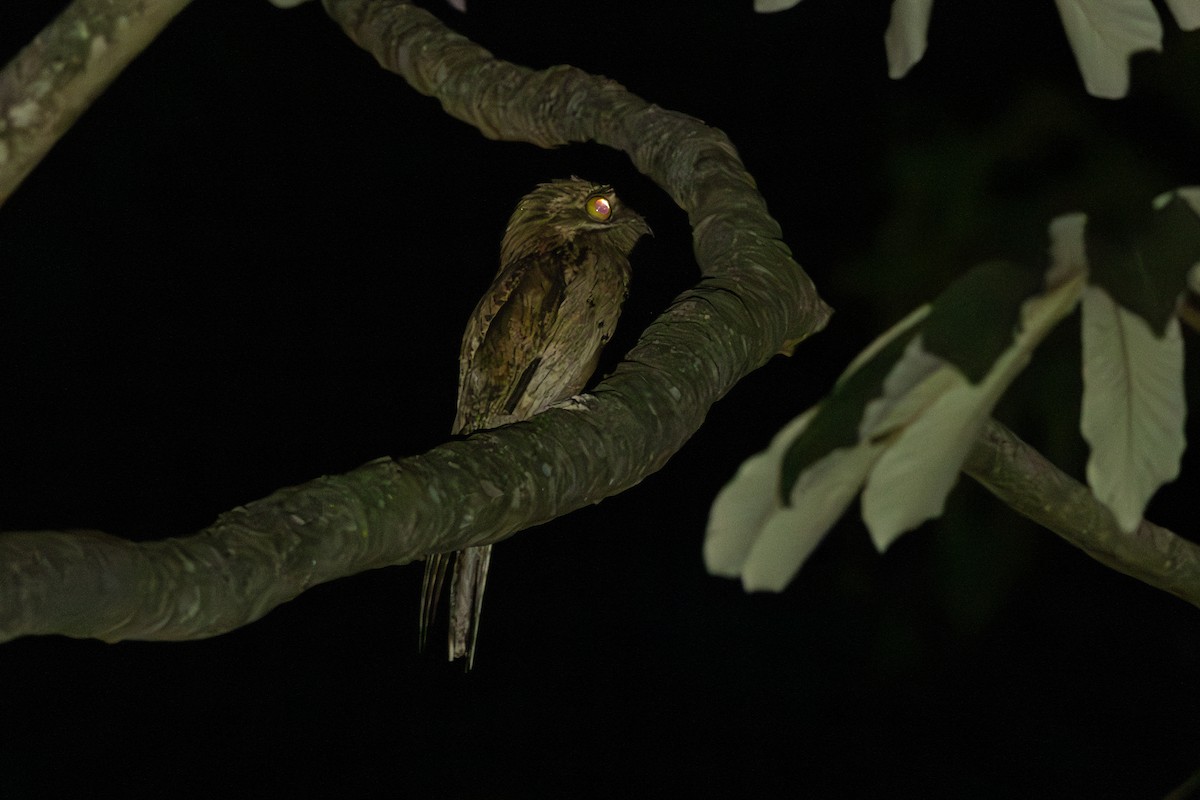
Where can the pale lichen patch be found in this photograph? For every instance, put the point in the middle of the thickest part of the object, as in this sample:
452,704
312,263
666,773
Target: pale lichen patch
192,609
43,86
23,115
98,48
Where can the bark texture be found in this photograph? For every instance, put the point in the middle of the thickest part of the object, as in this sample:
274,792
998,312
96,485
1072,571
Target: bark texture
753,301
1024,479
45,88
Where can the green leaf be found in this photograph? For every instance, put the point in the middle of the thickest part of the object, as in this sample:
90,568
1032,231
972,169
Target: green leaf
909,482
1103,34
1171,249
772,6
789,535
837,419
1133,405
745,505
974,319
905,37
1142,261
900,419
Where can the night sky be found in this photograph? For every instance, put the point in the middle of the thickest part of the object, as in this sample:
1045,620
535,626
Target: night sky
250,264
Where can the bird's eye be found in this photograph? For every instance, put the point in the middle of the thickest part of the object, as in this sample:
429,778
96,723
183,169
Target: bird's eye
598,208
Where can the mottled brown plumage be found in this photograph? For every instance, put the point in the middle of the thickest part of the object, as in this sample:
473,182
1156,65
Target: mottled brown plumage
532,341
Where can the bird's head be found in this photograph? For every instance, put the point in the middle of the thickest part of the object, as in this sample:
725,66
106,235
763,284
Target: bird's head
564,210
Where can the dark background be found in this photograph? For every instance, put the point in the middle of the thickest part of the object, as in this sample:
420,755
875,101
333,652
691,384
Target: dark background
250,263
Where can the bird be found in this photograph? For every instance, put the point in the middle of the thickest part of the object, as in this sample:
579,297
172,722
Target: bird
533,340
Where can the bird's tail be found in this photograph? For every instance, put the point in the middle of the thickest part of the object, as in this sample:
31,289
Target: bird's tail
466,598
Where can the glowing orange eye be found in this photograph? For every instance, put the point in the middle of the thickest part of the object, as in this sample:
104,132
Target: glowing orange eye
599,208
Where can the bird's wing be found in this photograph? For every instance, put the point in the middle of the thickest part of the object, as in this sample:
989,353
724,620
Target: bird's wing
505,340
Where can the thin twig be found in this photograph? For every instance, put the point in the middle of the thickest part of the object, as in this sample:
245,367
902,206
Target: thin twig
1024,479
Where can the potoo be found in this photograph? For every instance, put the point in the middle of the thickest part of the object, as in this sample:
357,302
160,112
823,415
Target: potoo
532,341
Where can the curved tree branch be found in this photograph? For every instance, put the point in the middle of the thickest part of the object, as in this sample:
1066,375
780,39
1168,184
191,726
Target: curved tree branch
45,88
752,302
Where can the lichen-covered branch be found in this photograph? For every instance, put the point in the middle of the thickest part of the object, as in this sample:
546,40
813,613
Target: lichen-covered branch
255,557
45,88
1023,478
752,302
